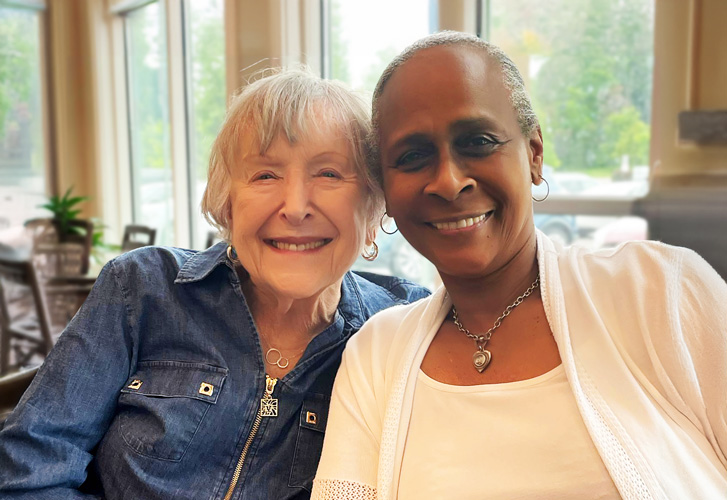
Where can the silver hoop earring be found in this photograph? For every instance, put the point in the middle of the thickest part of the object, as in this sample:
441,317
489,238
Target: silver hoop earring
381,225
546,193
371,256
232,254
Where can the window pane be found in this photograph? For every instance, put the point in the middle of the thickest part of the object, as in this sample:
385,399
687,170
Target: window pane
588,65
152,192
22,155
206,67
358,59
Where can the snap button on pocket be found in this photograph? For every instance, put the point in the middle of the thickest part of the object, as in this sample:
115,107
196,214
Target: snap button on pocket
206,389
311,418
135,384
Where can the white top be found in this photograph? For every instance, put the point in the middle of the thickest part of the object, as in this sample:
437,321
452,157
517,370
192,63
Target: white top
516,440
642,333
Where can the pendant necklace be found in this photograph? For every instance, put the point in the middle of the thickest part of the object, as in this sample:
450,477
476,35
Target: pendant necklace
482,357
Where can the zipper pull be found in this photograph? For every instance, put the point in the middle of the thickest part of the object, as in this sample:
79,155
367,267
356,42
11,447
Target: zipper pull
268,404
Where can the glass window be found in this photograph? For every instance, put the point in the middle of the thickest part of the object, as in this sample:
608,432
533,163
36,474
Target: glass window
22,153
149,128
588,66
205,38
356,57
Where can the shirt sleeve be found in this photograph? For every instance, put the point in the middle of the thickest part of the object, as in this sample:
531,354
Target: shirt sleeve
47,442
349,462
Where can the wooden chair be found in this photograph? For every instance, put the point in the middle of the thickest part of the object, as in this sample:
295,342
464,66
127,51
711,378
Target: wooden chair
12,388
136,236
45,232
27,336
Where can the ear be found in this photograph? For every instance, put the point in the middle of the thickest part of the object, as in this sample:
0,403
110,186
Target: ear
535,144
371,232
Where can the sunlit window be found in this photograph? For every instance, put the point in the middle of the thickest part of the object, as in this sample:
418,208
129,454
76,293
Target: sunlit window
588,66
358,59
149,127
206,80
22,153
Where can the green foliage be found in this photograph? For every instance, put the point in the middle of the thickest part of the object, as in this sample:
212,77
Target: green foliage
625,134
18,56
588,65
64,211
338,45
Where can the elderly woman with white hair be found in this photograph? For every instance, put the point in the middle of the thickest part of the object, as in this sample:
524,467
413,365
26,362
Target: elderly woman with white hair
208,374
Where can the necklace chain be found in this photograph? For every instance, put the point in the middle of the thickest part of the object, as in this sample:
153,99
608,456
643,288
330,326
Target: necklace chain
481,358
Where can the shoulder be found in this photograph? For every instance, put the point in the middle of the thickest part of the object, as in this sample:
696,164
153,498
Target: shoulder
147,267
638,262
387,333
399,290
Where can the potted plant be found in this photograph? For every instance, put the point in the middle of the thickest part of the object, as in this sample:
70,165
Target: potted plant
64,219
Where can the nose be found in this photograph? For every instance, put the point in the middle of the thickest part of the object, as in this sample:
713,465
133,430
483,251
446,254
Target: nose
296,205
449,179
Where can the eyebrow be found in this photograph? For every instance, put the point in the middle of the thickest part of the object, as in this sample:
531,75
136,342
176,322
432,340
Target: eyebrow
481,122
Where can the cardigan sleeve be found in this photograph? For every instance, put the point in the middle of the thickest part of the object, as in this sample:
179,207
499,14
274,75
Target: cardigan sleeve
349,462
701,295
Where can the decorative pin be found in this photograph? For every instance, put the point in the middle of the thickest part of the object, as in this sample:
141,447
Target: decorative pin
269,407
481,359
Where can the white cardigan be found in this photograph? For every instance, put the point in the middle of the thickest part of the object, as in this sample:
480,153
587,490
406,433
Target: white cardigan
642,333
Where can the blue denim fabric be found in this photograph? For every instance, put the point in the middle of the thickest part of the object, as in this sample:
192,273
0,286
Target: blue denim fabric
174,319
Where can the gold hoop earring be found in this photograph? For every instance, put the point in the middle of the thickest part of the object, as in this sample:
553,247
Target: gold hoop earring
381,225
370,256
546,193
232,254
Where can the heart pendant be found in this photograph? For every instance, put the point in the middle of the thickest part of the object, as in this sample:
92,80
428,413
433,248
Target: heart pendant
481,359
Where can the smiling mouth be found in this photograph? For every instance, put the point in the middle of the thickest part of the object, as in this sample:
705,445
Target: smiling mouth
461,223
300,247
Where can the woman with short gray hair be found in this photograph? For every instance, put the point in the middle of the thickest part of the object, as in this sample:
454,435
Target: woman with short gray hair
208,374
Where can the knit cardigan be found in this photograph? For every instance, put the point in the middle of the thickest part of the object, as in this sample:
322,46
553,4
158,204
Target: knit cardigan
642,334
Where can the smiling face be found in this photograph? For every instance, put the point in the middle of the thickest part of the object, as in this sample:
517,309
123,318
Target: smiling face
299,213
457,169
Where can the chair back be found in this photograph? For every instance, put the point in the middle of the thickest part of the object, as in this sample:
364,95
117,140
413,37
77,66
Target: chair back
19,286
136,236
44,232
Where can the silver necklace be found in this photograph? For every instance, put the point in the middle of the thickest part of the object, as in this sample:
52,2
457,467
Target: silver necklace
482,357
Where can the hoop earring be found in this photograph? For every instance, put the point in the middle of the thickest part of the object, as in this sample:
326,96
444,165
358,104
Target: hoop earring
232,254
373,254
381,225
546,193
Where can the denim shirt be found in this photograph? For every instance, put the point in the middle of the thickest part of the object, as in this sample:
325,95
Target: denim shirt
153,389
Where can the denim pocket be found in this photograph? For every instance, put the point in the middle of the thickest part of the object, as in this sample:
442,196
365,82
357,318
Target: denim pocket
309,444
163,404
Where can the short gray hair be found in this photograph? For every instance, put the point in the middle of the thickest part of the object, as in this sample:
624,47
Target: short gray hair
286,103
526,117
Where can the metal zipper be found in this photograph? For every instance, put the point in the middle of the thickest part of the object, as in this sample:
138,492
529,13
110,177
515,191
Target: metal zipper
268,408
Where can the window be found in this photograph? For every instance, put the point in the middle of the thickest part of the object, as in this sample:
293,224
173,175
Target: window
207,99
22,146
175,75
149,125
588,66
358,58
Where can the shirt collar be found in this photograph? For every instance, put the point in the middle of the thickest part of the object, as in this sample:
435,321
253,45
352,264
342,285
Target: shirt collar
201,264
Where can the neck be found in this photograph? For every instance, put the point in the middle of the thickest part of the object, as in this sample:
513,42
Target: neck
291,323
480,299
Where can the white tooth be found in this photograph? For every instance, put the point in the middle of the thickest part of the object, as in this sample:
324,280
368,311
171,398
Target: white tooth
470,222
461,223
